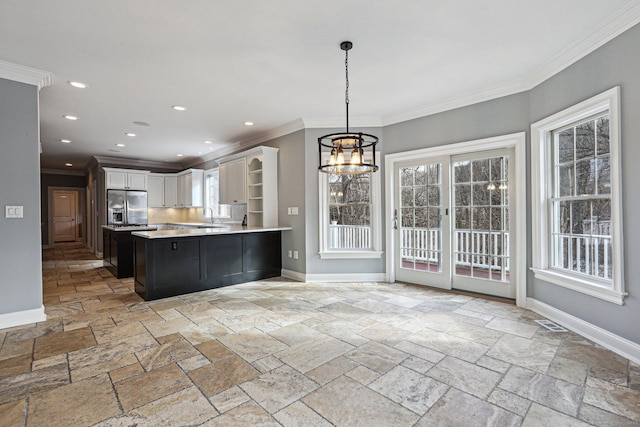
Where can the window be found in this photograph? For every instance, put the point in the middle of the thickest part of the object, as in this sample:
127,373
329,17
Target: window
211,196
577,222
349,215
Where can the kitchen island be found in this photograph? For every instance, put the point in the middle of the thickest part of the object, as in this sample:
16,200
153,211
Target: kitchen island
176,262
117,248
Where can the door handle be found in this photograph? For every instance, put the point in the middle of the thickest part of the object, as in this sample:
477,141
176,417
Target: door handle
395,219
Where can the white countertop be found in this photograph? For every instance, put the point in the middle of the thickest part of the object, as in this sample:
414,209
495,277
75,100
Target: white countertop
130,228
209,231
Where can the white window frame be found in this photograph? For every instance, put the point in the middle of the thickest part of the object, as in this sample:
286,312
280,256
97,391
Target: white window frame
325,251
215,210
541,181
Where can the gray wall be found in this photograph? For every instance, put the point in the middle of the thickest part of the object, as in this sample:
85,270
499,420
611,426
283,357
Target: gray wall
316,265
615,64
20,253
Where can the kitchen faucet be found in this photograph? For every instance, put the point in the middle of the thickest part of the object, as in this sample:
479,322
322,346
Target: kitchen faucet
210,211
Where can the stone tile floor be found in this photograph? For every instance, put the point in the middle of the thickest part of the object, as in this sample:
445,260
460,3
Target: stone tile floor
278,352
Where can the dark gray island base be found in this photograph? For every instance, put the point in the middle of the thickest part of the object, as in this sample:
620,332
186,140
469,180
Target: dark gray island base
183,263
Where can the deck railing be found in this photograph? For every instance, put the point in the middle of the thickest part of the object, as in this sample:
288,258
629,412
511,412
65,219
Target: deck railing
349,236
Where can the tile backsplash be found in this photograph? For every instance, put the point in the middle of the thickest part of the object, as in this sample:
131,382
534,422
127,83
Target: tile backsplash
163,215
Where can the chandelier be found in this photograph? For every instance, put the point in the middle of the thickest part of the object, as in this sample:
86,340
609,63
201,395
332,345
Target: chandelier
347,153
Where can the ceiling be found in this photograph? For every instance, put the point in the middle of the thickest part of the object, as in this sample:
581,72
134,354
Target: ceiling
278,64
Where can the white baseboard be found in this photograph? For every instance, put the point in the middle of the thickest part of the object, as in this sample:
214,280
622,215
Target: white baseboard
293,275
615,343
8,320
334,278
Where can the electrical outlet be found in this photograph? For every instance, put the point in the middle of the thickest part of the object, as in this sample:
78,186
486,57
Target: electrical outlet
295,254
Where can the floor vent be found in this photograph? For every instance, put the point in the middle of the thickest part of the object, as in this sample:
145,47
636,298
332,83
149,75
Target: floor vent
553,327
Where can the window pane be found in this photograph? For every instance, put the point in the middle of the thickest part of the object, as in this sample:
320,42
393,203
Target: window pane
480,218
434,218
421,175
434,195
480,195
406,177
585,177
565,146
581,216
604,175
564,217
602,217
462,172
463,195
603,135
349,211
407,217
420,196
462,218
480,170
496,196
407,197
421,218
565,177
496,169
496,218
585,141
434,174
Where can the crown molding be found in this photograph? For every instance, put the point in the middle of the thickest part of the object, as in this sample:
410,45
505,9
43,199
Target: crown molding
123,161
24,74
62,172
622,20
339,122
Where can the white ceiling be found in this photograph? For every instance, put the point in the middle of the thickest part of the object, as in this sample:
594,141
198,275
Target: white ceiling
277,62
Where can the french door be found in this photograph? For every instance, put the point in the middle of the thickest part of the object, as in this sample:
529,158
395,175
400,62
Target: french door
452,222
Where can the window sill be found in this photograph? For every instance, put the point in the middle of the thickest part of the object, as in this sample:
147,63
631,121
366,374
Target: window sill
350,254
580,285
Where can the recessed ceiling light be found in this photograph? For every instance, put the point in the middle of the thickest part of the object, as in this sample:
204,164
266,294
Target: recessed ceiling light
208,142
68,164
79,85
69,117
248,123
113,150
141,123
179,155
120,145
66,141
178,107
130,134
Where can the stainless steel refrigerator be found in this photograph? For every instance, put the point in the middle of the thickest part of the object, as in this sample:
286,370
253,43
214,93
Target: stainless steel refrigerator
126,207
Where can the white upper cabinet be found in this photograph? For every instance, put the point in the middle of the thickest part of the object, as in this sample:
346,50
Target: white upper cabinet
170,191
190,185
125,179
155,193
251,177
233,181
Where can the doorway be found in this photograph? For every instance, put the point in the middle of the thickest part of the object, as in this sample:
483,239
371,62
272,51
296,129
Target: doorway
66,215
458,217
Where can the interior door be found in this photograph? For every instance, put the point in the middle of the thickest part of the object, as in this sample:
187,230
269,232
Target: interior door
65,211
482,241
421,222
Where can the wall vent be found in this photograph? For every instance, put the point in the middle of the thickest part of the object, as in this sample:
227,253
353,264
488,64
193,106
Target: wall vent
553,327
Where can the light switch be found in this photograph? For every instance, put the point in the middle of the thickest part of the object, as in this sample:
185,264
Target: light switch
288,211
14,212
290,253
295,254
294,210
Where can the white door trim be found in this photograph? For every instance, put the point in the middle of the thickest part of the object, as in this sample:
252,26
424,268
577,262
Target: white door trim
517,141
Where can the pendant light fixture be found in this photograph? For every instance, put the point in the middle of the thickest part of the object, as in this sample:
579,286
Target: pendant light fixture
349,153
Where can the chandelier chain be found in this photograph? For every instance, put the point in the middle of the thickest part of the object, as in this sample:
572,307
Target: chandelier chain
346,66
